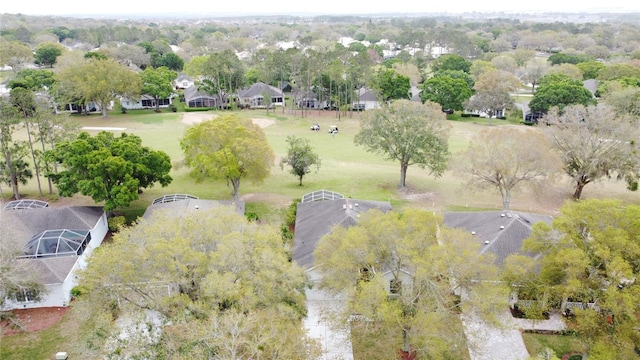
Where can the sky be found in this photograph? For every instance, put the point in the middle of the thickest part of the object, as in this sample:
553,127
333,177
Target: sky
330,7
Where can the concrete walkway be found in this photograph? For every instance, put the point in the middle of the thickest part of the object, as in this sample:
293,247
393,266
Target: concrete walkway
489,342
336,345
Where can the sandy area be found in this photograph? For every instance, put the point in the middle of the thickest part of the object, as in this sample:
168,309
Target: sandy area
195,118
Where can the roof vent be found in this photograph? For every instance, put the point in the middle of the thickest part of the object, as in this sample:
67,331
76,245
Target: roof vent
501,227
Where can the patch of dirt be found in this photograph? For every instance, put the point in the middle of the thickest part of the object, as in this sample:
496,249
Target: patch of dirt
31,320
270,198
192,118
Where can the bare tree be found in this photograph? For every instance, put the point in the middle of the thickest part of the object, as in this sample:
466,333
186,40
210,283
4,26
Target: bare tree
594,143
504,158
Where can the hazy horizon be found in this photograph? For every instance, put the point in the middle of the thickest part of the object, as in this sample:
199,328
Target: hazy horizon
120,8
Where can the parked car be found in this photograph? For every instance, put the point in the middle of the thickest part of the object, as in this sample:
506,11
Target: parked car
333,129
447,111
315,127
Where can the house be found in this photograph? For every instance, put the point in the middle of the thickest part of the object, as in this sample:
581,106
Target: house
485,113
145,102
56,241
367,100
501,233
308,100
182,204
199,99
182,82
317,214
253,96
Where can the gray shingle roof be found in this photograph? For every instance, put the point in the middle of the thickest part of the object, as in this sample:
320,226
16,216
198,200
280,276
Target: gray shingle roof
22,224
25,223
192,92
501,242
316,219
257,89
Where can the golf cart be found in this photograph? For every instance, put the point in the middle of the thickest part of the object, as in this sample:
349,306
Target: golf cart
333,129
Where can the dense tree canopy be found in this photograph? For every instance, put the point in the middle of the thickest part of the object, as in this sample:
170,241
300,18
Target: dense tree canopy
108,168
450,62
221,73
223,283
101,81
559,90
33,79
15,54
590,255
400,272
594,143
450,93
228,148
507,158
300,157
158,83
46,54
391,85
408,132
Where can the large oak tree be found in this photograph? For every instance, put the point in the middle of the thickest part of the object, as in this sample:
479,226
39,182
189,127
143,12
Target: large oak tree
408,132
101,81
590,255
108,168
224,284
158,83
594,143
401,275
507,158
228,148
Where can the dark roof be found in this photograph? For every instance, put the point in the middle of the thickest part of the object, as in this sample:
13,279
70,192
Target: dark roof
486,226
182,207
192,92
316,218
24,224
257,89
365,94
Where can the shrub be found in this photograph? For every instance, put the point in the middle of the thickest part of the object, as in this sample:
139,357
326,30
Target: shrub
116,223
251,216
78,291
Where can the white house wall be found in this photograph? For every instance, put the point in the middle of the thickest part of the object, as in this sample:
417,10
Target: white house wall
60,294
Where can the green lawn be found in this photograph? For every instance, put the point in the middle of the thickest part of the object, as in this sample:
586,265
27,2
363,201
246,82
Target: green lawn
346,168
560,344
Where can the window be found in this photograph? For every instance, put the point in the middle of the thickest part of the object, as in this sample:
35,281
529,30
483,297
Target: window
395,287
25,295
365,274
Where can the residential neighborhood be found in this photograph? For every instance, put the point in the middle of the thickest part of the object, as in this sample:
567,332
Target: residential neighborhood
370,186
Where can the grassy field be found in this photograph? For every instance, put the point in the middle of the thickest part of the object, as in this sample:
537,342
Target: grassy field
346,168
